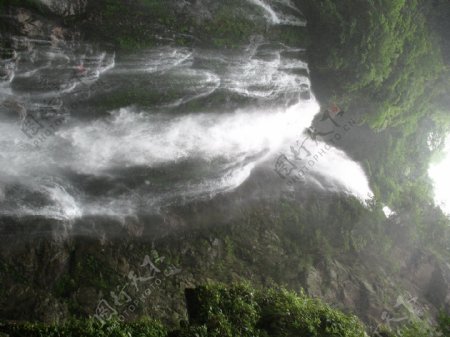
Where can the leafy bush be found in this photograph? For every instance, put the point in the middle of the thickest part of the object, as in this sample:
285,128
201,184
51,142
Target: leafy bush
241,310
236,311
444,324
381,49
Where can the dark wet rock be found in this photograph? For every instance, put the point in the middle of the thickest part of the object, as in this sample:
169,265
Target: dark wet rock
199,10
28,23
52,310
87,297
12,109
305,95
66,7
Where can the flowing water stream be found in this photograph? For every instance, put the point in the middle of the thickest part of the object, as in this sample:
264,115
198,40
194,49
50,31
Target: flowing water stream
85,132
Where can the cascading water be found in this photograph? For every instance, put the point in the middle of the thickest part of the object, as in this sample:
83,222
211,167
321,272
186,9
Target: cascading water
277,17
90,133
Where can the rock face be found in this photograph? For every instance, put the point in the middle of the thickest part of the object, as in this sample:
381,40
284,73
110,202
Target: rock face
66,7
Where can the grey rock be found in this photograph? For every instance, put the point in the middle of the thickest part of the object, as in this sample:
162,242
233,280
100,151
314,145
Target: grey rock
66,7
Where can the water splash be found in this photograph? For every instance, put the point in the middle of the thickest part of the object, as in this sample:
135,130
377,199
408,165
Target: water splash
138,159
279,18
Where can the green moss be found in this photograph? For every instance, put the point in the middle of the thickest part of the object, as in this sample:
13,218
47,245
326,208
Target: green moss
230,26
64,286
290,36
89,272
144,20
444,323
229,248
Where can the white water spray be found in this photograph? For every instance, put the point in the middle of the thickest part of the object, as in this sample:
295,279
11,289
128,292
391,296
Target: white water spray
278,18
207,152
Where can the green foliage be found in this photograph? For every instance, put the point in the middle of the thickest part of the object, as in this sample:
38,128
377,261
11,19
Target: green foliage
391,69
412,329
416,329
383,59
226,312
89,271
381,49
87,328
285,313
241,310
444,324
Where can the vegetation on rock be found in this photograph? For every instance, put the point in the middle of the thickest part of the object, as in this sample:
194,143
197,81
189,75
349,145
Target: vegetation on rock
239,310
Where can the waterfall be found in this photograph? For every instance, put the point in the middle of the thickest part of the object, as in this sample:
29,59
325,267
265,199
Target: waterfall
84,132
278,17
